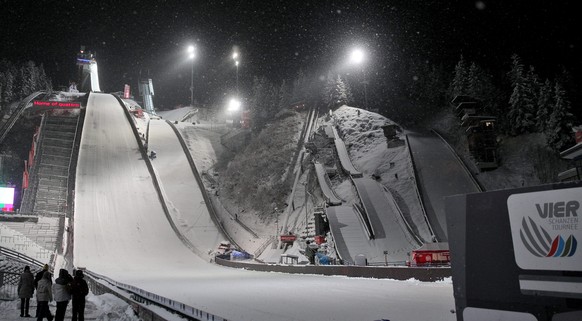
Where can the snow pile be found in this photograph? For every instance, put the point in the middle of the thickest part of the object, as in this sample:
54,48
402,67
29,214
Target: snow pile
111,308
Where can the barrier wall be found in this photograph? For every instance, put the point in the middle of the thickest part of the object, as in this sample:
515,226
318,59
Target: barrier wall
379,272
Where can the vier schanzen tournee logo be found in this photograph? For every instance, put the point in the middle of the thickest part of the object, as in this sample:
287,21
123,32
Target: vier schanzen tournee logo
545,229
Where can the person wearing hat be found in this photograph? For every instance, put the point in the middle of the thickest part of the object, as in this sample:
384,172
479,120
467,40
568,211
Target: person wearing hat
79,291
25,291
39,275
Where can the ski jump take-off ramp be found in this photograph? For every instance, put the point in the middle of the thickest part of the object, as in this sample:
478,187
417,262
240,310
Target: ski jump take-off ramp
376,229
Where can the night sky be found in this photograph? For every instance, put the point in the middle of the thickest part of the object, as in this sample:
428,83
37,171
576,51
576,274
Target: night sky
134,39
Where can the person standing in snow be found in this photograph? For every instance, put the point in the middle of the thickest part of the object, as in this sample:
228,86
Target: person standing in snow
44,295
79,290
310,250
62,293
37,279
25,291
39,275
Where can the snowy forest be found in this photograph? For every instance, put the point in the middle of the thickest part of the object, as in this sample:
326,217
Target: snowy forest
20,80
16,82
522,101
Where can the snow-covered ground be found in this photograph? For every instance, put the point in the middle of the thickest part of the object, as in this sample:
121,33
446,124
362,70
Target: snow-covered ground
122,232
105,307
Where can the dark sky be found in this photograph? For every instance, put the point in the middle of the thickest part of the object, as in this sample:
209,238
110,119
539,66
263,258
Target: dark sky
276,38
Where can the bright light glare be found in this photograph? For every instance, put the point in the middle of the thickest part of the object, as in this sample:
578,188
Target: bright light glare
233,105
235,55
191,52
236,63
357,56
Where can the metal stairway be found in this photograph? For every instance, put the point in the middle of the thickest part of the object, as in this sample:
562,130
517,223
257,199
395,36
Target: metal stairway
53,166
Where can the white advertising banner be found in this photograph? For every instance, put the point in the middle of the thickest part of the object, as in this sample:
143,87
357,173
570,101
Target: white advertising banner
545,228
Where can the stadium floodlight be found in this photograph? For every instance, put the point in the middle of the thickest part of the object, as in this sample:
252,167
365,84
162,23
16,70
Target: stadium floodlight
233,105
191,56
236,62
357,56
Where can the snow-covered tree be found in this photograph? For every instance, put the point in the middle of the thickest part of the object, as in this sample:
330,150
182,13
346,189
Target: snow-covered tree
335,91
460,83
559,128
522,104
29,79
545,105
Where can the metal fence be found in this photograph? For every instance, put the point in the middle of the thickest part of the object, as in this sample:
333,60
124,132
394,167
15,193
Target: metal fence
9,285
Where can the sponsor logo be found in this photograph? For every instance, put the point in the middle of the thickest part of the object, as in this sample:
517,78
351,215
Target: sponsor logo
539,243
545,229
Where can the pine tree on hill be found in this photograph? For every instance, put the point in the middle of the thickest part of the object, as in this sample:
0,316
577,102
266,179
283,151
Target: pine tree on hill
335,92
545,105
559,129
522,104
460,83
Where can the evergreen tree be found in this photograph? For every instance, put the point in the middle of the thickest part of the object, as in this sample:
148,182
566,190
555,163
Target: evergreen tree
7,94
264,102
257,104
481,87
334,92
460,83
545,101
44,83
559,129
29,79
520,116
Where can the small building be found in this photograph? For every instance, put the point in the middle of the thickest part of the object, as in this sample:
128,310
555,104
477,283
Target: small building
431,254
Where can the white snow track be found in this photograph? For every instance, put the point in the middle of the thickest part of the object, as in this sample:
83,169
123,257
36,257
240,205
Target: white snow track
120,231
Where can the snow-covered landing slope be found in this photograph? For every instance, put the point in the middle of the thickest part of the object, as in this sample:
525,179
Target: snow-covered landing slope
185,201
121,232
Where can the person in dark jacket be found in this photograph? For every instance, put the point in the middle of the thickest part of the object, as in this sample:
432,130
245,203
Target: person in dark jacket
25,291
62,293
44,295
39,275
310,252
79,290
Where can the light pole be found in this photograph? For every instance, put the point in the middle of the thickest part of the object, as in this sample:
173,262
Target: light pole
357,57
236,62
191,55
276,221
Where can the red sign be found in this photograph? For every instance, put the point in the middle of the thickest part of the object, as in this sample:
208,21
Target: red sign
126,91
288,238
56,104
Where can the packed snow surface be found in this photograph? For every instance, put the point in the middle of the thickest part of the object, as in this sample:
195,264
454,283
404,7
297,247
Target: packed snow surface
122,232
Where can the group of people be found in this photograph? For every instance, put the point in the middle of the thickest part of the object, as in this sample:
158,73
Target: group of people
314,255
65,288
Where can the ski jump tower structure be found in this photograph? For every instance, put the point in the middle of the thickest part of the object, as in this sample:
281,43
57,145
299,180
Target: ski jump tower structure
88,74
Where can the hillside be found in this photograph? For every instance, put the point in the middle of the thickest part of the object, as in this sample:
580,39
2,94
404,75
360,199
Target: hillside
525,160
253,182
